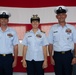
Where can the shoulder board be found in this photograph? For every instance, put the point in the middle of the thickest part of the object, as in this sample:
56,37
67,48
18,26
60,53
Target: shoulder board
27,31
42,31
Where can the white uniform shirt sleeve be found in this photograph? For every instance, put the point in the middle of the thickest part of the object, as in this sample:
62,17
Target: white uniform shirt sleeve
50,36
15,39
24,41
74,35
45,41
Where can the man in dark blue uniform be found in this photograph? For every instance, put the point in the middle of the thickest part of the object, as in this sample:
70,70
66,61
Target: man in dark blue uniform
8,45
62,40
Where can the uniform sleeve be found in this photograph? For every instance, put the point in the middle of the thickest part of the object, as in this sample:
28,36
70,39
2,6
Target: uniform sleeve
74,35
15,40
24,41
50,36
45,41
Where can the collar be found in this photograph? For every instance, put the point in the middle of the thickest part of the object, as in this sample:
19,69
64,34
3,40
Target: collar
5,30
60,25
36,32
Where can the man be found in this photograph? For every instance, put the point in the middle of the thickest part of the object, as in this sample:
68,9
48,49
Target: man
8,45
62,40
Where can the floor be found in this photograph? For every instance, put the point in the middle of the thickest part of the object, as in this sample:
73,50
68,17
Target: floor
19,73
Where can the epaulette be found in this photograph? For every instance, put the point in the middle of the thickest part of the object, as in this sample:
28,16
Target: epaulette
42,31
27,31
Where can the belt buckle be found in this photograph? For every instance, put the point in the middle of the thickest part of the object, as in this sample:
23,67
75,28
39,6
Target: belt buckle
63,52
4,55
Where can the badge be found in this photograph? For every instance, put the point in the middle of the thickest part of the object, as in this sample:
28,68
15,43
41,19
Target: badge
68,31
55,31
9,35
38,35
29,36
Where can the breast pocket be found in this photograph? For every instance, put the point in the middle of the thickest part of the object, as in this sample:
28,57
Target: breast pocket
30,40
69,36
9,39
39,40
56,37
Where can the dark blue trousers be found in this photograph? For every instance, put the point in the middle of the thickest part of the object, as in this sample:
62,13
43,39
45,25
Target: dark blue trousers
63,63
34,68
6,65
74,69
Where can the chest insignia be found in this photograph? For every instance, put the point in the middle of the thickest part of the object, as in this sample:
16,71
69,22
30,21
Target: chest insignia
29,36
9,35
38,35
68,31
55,31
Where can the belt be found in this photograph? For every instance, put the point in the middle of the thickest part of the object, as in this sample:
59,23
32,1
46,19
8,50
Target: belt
63,52
5,54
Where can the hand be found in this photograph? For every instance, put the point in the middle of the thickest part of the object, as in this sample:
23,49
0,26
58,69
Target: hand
24,63
52,61
45,64
73,61
14,63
